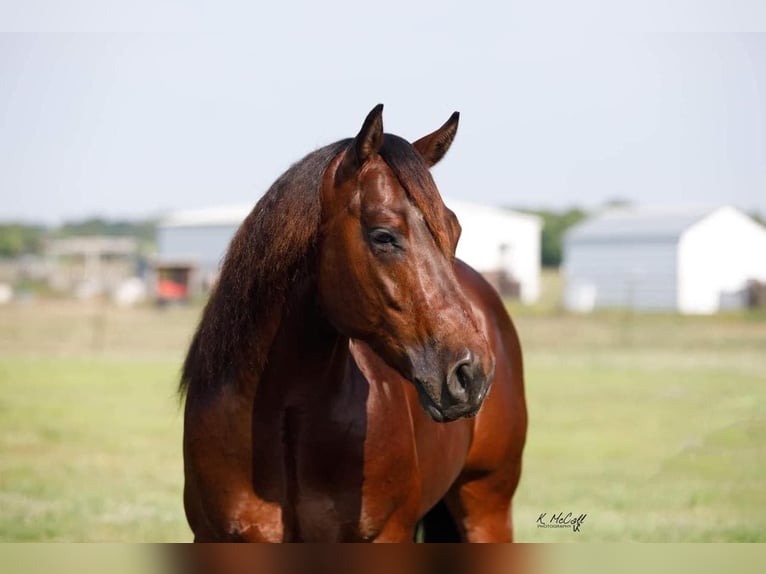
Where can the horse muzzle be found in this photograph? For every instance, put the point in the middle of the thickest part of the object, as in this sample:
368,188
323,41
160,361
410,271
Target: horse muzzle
455,392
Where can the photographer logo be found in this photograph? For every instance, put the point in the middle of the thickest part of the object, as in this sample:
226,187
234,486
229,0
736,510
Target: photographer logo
561,520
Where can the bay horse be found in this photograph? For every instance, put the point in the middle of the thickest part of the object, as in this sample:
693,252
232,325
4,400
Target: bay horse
338,384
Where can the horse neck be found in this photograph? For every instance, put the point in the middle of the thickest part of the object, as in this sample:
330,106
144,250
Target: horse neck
308,355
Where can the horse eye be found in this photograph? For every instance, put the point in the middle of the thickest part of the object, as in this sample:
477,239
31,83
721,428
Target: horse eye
383,238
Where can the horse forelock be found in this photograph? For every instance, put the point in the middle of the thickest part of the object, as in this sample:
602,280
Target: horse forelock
413,174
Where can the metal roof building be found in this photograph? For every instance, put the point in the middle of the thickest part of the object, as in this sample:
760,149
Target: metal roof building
503,245
686,260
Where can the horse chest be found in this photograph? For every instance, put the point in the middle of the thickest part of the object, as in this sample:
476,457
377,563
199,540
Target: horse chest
343,470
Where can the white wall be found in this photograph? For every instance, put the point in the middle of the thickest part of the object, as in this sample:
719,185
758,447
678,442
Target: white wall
625,274
717,256
494,239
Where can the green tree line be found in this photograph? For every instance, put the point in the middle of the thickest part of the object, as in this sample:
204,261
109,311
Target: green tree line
29,239
20,238
555,225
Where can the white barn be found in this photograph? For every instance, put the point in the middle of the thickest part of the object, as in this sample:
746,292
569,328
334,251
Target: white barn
500,240
503,245
695,261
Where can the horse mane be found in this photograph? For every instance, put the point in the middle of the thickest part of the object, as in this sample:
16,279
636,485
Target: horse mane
268,253
263,258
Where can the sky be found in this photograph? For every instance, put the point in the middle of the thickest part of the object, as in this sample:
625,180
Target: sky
134,112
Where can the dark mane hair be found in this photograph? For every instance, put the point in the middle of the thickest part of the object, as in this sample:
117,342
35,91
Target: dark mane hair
268,252
265,253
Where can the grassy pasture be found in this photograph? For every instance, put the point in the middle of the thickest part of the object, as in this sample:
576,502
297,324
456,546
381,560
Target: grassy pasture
90,424
653,426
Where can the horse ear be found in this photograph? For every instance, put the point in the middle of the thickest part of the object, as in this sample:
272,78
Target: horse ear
369,139
366,143
433,146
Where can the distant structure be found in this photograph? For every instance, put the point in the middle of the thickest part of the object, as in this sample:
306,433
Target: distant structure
191,245
503,245
90,265
695,261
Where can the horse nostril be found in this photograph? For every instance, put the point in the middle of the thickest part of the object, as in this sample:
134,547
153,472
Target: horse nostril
461,378
464,375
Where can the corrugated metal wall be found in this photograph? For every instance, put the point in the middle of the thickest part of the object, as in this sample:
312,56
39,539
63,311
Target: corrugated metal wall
205,245
623,274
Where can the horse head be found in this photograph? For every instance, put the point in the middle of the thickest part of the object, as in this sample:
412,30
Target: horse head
386,267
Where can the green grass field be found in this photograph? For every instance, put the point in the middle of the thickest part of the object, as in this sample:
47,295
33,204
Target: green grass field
653,426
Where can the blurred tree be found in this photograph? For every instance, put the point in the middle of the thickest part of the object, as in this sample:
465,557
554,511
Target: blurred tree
143,230
555,224
24,238
20,239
